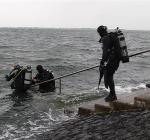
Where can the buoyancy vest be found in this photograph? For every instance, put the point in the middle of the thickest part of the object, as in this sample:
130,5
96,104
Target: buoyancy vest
44,77
22,79
18,80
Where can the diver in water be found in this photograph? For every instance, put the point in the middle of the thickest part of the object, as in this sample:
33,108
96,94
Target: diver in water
18,77
108,64
44,75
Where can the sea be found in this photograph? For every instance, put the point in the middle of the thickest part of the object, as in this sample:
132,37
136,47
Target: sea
64,51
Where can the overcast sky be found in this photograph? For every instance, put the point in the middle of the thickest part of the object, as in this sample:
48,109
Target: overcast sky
125,14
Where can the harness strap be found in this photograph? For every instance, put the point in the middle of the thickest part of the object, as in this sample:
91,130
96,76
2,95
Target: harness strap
18,73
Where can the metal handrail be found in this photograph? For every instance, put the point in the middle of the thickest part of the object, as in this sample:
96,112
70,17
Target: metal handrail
78,72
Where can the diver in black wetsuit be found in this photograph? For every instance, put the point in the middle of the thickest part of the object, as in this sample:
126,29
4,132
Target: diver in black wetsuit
44,75
109,63
18,76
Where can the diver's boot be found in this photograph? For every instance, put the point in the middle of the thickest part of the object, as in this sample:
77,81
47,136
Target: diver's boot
111,97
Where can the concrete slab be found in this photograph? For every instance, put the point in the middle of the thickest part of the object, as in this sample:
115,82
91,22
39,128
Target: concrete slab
129,97
143,100
126,99
145,95
118,105
91,104
102,108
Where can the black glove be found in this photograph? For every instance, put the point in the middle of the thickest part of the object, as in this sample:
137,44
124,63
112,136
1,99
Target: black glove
6,76
38,81
101,66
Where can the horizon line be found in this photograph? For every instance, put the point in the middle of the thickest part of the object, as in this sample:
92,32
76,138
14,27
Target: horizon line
68,28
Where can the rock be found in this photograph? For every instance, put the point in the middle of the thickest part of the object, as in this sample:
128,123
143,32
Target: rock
122,125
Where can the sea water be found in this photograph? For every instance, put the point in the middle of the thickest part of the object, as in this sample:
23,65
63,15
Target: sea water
23,115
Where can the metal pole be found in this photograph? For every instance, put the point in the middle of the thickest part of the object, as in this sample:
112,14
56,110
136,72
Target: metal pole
81,71
138,53
64,75
59,85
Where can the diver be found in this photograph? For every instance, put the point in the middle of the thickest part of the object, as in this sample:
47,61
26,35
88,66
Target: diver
109,63
44,75
21,77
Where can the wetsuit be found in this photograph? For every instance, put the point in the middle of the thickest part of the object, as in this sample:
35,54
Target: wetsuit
44,76
18,76
108,56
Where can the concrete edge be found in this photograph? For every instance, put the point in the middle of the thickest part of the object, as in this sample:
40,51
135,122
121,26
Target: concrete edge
118,105
83,111
141,102
117,111
102,108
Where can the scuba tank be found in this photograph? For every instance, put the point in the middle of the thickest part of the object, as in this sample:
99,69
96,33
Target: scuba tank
52,83
50,71
28,77
123,47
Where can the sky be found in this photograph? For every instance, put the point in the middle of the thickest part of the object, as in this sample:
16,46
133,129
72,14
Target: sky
125,14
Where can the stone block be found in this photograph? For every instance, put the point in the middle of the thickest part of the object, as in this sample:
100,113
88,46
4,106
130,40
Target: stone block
141,102
117,105
84,111
102,108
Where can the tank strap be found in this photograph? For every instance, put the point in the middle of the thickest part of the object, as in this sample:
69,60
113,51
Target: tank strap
18,73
